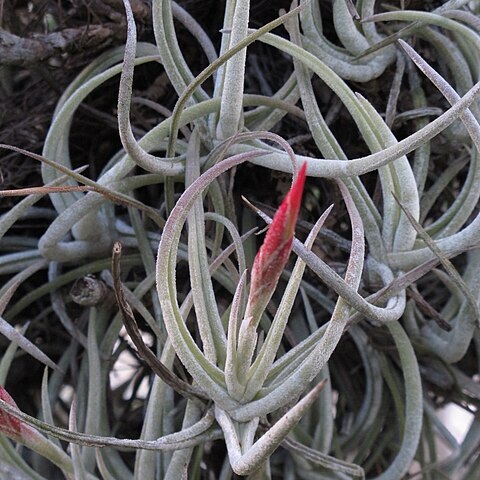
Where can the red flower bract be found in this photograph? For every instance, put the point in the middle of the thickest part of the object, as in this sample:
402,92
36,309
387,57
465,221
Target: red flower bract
273,254
9,425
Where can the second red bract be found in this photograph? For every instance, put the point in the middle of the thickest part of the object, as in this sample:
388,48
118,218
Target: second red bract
9,425
275,250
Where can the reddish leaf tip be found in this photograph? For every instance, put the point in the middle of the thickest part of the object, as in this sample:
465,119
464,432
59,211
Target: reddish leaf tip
8,423
297,187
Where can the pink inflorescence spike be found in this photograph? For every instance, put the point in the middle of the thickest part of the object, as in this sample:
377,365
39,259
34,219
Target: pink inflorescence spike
273,254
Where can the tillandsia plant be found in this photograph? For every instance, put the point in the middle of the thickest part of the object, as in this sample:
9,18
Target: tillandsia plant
330,362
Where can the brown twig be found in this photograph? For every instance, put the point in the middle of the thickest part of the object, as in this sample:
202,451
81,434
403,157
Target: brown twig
24,52
21,192
427,309
145,353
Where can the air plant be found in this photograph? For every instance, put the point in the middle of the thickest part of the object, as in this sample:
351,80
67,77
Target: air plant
25,434
339,368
